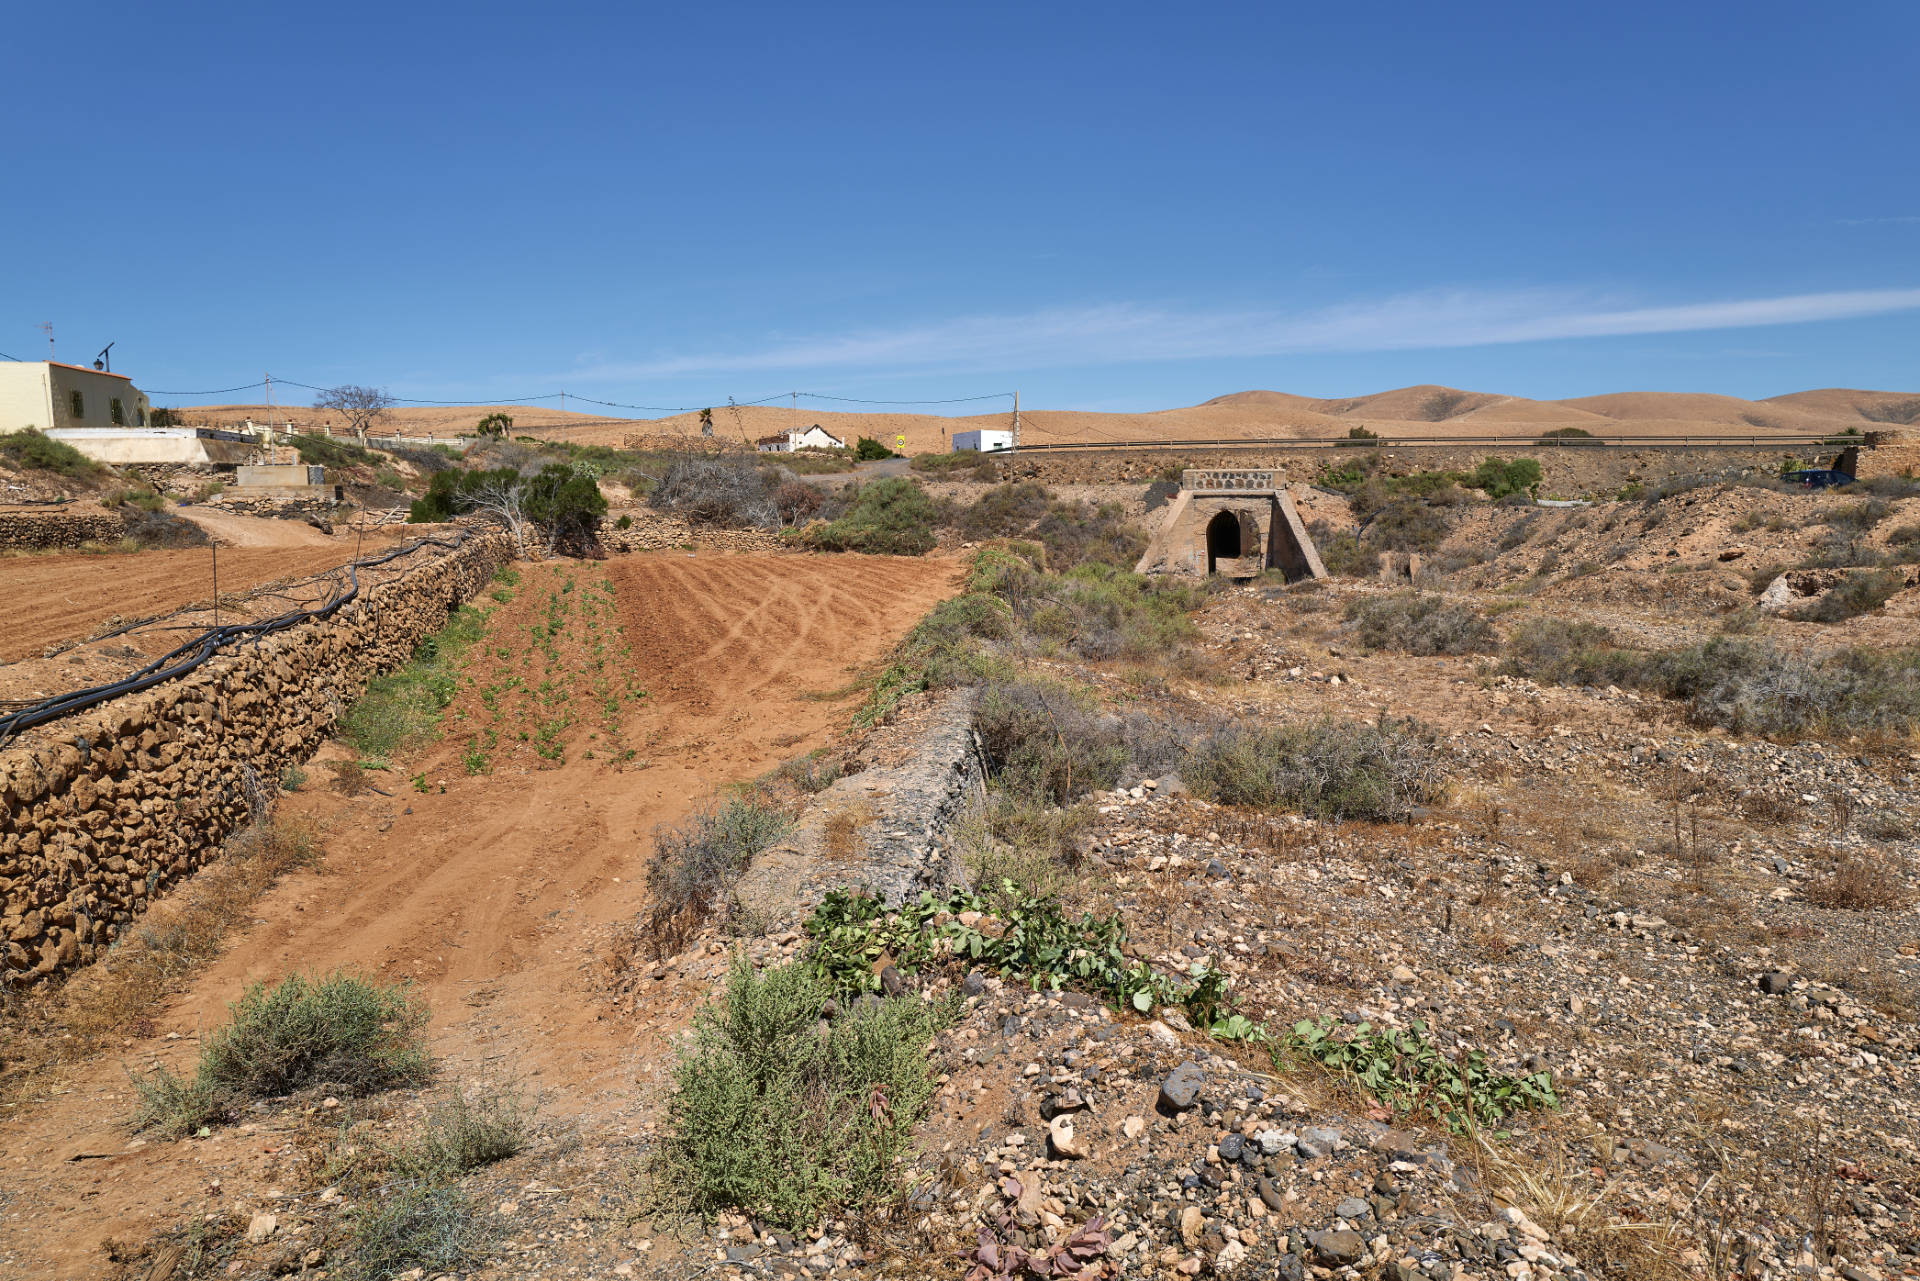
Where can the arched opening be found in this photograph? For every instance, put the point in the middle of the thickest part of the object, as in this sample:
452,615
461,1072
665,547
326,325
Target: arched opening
1223,540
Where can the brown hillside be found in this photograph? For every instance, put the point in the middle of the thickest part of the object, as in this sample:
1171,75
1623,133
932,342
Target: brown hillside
1420,411
1886,407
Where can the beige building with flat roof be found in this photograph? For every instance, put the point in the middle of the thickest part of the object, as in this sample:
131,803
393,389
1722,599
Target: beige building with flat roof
48,395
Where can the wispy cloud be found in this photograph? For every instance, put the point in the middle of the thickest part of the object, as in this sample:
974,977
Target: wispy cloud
1122,332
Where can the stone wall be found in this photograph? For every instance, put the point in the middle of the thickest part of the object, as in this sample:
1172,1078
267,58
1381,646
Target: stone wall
1898,456
653,531
44,531
1569,471
103,811
903,809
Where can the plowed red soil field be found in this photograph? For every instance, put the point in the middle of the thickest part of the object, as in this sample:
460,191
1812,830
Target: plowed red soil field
488,891
66,597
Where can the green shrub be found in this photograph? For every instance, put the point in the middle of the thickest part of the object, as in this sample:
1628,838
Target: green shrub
31,449
1499,477
1342,554
140,499
1570,436
1409,1073
465,1131
981,466
1005,510
412,1227
1854,595
1861,516
788,1119
1738,684
156,529
867,450
1045,740
324,451
1558,650
694,863
891,517
340,1031
495,424
1077,533
1903,535
1329,769
1420,624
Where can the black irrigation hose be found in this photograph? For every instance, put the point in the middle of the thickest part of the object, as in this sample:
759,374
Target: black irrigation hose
184,658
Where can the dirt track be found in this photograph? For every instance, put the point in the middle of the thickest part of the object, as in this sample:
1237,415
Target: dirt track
488,895
66,597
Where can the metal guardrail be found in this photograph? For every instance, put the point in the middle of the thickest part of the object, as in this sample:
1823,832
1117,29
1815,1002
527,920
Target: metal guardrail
1405,442
185,658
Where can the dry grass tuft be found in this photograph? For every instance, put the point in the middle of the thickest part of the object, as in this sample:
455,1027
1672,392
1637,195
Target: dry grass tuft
840,837
348,778
1862,881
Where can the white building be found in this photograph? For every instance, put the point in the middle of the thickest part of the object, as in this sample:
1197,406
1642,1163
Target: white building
814,437
47,394
985,442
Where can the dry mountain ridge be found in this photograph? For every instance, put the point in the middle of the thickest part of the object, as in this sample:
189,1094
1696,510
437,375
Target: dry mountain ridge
1424,410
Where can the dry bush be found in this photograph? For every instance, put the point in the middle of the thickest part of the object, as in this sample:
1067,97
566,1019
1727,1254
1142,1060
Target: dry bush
1768,809
1861,881
348,778
1422,625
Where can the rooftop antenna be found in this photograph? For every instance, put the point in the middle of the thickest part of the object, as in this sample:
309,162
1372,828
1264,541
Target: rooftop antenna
104,361
48,327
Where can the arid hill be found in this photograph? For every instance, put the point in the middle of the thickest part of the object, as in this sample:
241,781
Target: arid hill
1422,411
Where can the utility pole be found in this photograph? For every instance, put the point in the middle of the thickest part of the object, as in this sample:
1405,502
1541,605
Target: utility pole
1016,420
563,402
269,378
48,327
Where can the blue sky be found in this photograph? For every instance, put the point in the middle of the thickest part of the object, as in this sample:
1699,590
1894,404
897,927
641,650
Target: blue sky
1107,205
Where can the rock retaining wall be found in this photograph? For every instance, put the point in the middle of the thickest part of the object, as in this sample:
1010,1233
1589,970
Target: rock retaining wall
656,532
105,810
900,817
45,531
1569,470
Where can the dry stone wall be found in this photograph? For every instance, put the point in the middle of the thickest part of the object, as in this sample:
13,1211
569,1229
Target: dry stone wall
657,532
102,812
46,531
1569,470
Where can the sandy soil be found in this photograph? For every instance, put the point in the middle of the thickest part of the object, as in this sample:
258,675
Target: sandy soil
488,894
69,595
230,529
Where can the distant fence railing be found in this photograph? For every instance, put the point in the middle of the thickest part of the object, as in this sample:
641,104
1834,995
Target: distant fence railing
1455,442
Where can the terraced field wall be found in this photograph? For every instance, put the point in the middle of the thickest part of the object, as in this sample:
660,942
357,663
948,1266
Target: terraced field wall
103,811
42,531
1568,469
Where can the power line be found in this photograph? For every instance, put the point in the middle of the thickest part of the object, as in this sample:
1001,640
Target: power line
4,356
952,400
216,391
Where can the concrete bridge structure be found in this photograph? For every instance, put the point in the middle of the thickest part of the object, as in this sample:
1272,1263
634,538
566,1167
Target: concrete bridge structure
1233,521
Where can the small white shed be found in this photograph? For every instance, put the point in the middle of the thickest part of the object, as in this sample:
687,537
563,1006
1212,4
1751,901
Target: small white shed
984,442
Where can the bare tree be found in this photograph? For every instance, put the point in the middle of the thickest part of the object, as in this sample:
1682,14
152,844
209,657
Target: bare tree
503,497
362,407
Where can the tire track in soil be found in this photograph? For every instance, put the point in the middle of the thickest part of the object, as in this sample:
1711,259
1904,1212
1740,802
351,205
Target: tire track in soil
488,896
